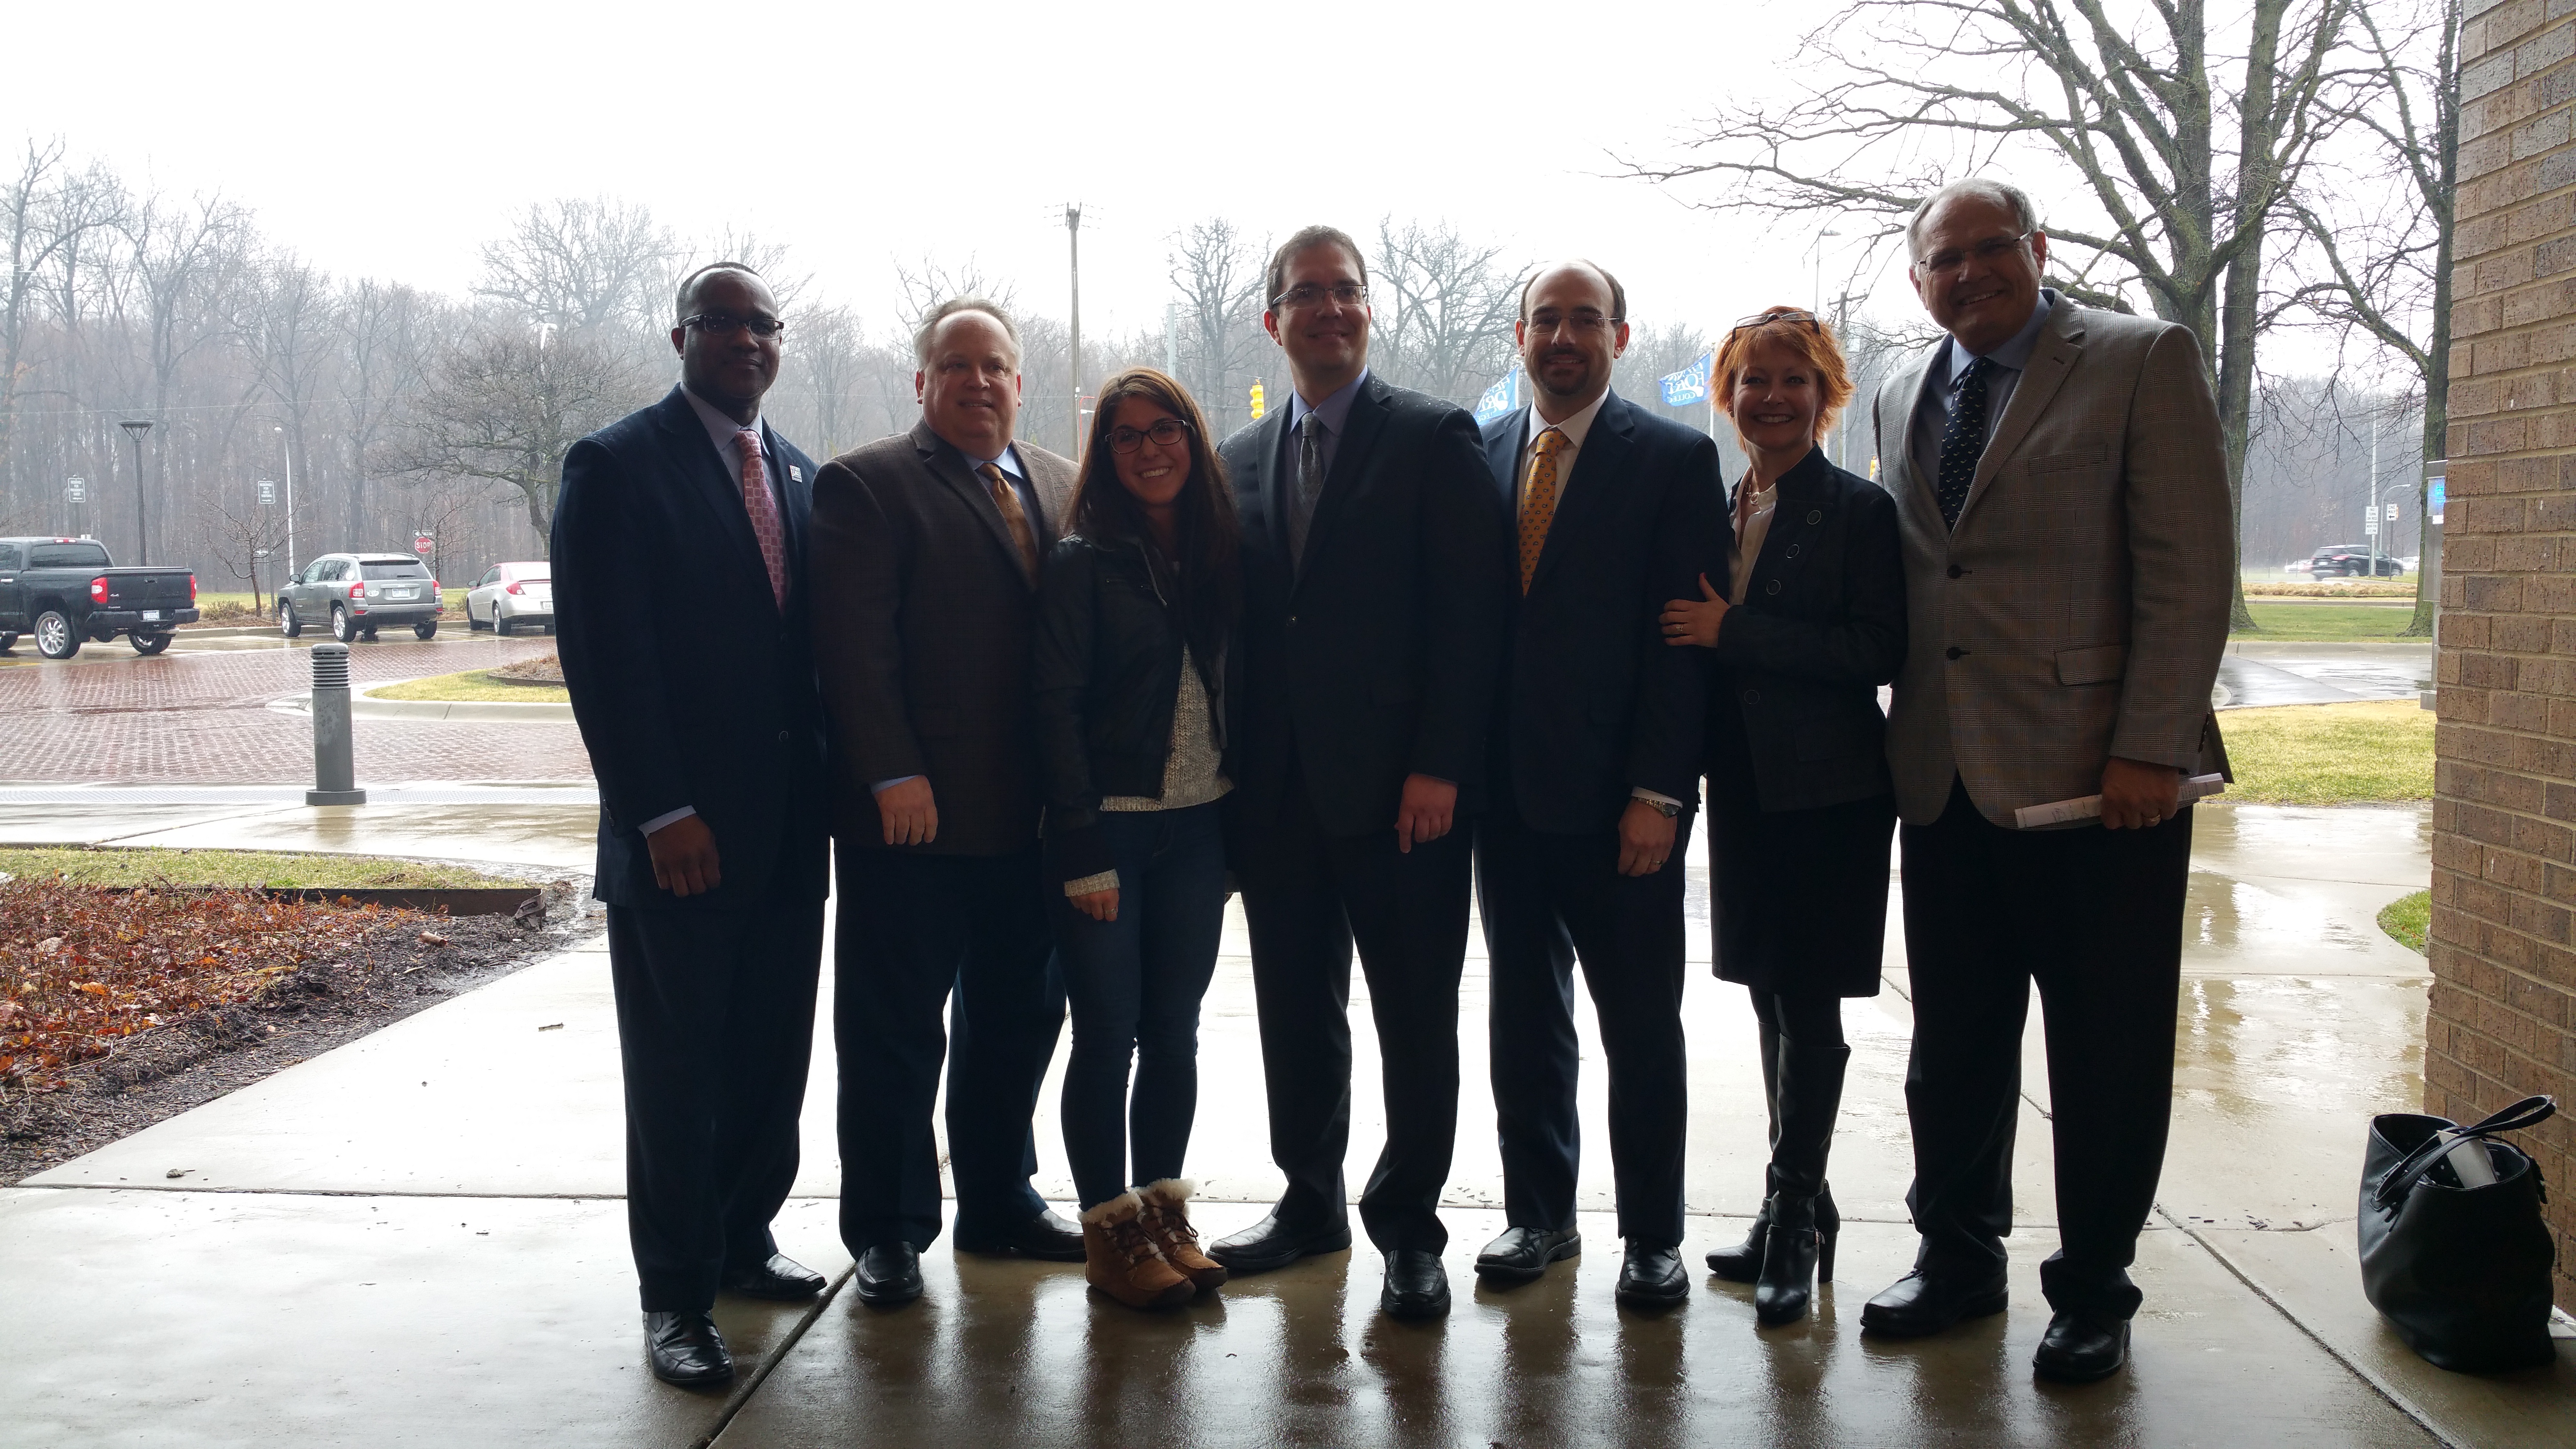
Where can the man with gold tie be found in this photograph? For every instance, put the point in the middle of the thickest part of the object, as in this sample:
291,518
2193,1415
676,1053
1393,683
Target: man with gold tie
1610,511
925,564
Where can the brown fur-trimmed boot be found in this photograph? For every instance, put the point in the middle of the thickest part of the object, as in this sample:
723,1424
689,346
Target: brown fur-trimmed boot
1167,1222
1120,1260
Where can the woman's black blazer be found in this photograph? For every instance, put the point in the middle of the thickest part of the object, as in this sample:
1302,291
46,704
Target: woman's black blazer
1822,626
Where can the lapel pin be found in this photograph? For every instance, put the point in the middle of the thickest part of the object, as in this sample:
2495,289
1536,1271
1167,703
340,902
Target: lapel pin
795,474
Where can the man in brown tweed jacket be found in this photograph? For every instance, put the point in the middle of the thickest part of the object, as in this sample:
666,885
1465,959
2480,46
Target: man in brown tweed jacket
2063,495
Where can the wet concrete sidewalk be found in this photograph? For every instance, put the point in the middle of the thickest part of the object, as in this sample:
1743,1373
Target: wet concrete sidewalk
417,1238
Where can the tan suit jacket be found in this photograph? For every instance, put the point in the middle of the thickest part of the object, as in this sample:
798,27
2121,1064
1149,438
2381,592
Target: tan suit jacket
923,622
2079,608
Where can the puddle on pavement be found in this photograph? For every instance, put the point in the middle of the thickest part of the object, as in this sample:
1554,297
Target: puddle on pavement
2252,1045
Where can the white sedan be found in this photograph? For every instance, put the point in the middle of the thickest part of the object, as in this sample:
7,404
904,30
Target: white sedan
511,595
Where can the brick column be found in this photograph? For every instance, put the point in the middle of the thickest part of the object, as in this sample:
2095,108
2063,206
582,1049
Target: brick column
2503,1015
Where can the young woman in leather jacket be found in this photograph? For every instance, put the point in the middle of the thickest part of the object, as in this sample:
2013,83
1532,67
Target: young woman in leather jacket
1136,624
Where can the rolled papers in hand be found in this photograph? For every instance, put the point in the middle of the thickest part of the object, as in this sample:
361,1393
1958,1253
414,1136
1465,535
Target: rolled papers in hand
2089,807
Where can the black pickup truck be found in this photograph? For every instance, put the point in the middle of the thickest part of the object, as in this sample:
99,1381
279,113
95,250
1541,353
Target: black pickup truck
65,591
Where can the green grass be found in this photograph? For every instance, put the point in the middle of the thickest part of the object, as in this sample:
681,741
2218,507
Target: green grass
472,686
2330,754
83,866
2407,918
236,609
2321,623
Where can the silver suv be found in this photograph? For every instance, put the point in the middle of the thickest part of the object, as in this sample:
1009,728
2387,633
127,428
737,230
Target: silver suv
356,594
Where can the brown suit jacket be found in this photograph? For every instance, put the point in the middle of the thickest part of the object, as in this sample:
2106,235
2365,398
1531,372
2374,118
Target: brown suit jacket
922,626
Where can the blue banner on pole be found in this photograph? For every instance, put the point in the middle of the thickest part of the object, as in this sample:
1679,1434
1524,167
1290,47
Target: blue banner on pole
1501,398
1690,385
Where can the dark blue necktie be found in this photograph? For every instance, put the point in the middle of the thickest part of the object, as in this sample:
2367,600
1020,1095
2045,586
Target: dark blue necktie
1963,440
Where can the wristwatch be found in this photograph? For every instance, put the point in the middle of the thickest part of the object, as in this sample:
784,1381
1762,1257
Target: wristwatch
1665,808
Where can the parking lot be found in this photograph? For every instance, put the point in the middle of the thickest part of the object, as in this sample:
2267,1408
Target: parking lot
200,713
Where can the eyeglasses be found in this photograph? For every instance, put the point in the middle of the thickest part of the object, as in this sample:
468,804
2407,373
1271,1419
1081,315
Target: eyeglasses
1787,317
1308,294
1989,251
725,324
1583,323
1165,432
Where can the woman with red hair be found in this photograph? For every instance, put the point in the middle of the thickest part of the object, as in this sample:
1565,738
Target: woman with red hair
1800,805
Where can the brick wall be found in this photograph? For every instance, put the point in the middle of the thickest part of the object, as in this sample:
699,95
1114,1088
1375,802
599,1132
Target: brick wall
2503,1017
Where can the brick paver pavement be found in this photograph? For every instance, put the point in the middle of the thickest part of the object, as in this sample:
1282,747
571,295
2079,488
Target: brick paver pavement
200,714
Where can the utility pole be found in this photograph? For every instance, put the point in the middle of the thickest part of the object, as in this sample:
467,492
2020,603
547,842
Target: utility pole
286,448
135,429
2371,519
1073,241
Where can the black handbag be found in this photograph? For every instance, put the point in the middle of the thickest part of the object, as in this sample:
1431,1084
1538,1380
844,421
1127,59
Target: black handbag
2462,1273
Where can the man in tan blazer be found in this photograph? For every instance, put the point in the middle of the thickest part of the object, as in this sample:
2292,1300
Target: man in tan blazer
925,557
2063,494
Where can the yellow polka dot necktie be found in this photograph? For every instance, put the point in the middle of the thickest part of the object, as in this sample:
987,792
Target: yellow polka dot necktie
1538,501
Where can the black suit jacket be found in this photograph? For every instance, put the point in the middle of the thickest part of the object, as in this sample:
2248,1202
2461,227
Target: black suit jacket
1377,658
710,704
1821,628
926,626
1594,703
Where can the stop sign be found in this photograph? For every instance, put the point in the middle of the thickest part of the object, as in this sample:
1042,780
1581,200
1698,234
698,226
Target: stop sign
421,545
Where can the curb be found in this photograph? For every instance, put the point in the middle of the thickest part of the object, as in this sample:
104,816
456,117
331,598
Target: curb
363,706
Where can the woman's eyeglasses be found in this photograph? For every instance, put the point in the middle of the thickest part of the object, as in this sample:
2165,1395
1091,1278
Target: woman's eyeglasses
1792,317
1165,432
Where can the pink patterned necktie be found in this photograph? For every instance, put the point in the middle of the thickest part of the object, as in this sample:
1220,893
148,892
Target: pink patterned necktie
764,512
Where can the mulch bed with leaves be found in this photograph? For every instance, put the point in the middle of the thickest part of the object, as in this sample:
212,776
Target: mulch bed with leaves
119,1008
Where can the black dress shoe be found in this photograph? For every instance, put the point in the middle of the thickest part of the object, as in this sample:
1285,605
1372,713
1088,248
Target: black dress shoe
782,1278
1270,1244
1046,1237
2078,1348
686,1349
1921,1303
1651,1276
888,1275
1416,1285
1520,1255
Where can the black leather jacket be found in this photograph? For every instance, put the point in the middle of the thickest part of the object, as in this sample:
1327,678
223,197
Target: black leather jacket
1108,672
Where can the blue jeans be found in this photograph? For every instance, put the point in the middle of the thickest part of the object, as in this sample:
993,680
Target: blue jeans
1135,985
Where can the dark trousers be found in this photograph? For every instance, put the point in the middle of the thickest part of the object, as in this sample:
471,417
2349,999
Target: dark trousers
917,933
1308,898
2094,917
1134,984
1547,900
715,1028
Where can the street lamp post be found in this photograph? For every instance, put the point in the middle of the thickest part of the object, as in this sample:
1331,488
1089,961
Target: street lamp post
135,428
286,451
1073,240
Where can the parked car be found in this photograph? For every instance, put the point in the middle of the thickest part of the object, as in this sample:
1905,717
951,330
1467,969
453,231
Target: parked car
512,596
2348,560
355,594
65,590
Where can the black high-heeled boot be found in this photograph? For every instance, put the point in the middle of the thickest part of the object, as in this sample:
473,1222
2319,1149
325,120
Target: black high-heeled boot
1743,1263
1788,1280
1810,1098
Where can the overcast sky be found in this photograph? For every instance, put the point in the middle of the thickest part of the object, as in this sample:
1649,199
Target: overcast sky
391,140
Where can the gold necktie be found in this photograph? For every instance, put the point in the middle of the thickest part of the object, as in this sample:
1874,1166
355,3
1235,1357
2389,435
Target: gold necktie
1538,502
1007,499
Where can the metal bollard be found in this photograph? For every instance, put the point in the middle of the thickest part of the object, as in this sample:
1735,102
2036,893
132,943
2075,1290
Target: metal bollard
335,772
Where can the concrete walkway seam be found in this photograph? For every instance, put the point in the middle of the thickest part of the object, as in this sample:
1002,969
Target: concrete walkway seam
734,1402
2359,1370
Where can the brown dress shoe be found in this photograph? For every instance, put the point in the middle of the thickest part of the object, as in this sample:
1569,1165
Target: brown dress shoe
1167,1222
1120,1260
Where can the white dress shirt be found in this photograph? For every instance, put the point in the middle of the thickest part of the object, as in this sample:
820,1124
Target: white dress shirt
1748,538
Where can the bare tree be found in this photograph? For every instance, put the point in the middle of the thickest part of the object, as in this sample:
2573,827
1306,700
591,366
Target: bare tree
1444,310
505,406
1219,273
45,211
930,281
294,334
2383,270
244,541
2130,112
583,267
383,345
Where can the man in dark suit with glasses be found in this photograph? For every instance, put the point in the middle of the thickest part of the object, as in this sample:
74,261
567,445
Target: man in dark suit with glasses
706,735
1374,588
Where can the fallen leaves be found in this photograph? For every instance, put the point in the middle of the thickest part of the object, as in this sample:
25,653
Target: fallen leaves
93,966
